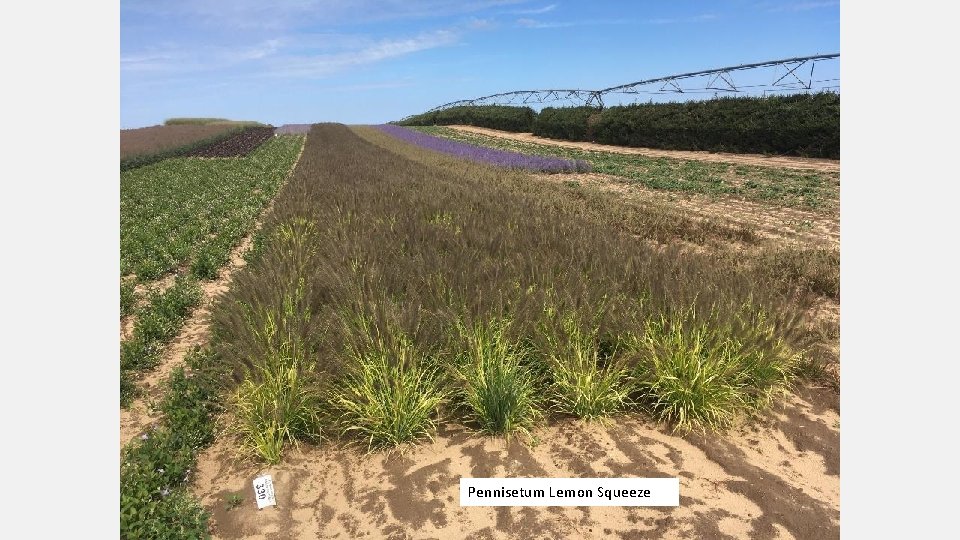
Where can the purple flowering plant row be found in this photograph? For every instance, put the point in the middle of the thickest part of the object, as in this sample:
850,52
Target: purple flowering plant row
502,158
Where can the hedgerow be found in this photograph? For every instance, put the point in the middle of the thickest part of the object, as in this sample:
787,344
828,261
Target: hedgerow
569,123
506,118
800,124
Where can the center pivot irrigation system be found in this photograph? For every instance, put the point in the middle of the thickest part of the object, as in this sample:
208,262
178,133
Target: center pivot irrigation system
784,75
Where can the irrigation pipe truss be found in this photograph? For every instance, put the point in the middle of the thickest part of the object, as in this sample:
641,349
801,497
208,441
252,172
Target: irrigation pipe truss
786,75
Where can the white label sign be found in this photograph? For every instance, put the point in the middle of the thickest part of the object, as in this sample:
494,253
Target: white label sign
263,491
569,492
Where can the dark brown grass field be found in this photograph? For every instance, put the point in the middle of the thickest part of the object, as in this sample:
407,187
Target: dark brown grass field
416,240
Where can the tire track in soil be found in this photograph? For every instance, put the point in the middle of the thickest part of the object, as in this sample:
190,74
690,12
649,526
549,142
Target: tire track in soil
788,162
196,331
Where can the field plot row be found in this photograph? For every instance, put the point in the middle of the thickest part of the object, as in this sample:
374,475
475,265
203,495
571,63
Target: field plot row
485,154
143,146
239,144
154,139
193,211
182,217
810,190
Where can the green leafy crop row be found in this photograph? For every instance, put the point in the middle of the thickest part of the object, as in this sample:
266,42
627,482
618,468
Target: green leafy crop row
157,323
193,211
155,470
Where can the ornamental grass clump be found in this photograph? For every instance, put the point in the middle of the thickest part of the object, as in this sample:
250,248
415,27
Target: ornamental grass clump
278,406
278,400
585,382
699,370
389,393
495,384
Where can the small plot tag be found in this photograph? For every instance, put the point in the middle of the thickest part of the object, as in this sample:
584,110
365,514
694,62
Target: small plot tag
263,491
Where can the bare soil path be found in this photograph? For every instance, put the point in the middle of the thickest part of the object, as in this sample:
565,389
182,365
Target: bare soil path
815,164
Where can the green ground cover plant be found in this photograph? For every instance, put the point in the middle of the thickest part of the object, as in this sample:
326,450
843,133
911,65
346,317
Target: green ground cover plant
155,469
809,190
495,382
157,323
128,298
190,211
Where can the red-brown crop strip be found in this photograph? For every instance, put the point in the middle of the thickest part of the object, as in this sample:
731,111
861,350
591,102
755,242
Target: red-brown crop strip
153,139
240,144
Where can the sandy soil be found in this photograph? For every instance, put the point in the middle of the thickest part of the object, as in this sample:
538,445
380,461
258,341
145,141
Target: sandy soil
777,478
141,413
825,165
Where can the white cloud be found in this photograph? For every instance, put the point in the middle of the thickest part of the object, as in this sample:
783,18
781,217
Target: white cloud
534,11
325,64
802,6
175,59
536,24
481,24
698,18
280,14
533,23
363,87
256,52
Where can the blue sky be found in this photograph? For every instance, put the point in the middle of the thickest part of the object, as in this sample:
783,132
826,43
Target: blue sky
300,61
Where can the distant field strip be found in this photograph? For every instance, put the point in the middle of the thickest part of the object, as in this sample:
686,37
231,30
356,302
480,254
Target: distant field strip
811,190
239,144
485,154
193,211
153,139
